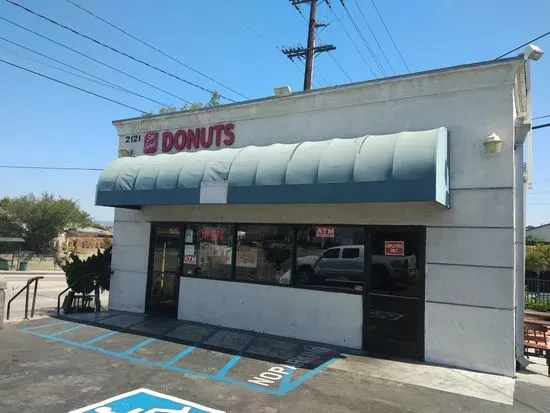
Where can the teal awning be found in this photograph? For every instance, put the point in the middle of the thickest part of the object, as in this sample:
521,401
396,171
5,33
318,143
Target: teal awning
400,167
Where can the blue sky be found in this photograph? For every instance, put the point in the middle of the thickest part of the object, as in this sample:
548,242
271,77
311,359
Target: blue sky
234,42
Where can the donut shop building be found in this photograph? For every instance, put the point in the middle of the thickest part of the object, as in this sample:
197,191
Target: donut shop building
385,216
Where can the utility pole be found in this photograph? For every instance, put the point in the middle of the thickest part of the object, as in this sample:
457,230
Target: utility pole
311,50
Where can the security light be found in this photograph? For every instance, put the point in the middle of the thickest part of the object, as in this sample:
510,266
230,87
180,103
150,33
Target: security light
493,143
533,52
124,152
282,91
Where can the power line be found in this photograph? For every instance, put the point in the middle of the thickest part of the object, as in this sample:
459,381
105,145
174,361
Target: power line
98,79
73,86
390,36
352,41
544,125
116,50
364,39
523,45
156,49
541,117
95,60
52,168
374,36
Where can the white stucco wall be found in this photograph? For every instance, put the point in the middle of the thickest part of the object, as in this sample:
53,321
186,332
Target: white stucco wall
129,263
320,316
470,268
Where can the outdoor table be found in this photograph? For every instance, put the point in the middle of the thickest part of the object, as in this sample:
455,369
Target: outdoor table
536,314
537,321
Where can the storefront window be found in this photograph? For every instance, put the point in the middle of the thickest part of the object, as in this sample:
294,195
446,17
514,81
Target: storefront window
263,253
207,250
330,257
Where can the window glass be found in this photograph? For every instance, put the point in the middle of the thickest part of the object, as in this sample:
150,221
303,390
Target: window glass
332,253
263,253
319,264
207,251
350,253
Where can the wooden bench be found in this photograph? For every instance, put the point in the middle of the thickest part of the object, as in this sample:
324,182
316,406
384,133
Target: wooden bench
537,338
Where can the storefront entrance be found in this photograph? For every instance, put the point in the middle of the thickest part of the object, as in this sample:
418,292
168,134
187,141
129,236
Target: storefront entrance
383,265
164,270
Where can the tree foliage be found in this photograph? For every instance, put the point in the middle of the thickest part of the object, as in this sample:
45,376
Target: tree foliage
38,220
98,264
537,256
213,101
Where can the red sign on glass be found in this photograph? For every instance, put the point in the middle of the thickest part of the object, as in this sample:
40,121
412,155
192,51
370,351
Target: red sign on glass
394,248
210,234
189,259
325,232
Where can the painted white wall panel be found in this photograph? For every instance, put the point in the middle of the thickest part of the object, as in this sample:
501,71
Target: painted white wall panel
476,286
471,246
131,234
130,258
127,291
306,314
471,337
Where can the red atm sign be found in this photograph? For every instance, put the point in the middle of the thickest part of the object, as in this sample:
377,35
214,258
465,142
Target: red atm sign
394,248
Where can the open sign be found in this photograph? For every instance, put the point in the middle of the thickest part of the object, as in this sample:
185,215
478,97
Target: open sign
210,234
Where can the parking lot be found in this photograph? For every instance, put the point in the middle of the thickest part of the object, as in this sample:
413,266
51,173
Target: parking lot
128,363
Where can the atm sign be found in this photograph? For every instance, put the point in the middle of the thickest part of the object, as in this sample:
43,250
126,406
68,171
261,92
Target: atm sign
394,248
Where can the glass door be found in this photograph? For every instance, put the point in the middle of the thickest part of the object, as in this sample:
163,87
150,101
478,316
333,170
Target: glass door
395,293
164,271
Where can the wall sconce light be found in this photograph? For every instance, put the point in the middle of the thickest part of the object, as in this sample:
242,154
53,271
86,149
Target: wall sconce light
493,143
124,152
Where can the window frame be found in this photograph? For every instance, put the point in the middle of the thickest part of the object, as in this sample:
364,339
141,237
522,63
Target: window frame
368,229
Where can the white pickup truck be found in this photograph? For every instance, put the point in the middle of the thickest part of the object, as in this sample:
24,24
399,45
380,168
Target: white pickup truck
346,262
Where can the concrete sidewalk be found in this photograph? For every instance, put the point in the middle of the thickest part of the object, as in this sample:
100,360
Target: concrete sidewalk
69,364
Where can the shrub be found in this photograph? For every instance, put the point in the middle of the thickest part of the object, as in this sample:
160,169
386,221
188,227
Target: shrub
98,264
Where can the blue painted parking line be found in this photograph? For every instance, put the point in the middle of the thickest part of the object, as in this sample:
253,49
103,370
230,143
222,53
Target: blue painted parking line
286,384
99,338
189,349
68,330
139,345
47,325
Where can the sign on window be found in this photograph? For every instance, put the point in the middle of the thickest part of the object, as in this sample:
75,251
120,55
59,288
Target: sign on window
325,232
394,248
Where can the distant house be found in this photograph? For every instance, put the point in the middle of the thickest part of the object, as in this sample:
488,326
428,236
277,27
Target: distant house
542,232
84,239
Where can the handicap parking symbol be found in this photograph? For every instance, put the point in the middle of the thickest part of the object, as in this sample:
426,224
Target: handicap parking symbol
145,401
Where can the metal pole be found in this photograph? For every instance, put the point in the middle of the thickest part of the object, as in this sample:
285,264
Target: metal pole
27,301
310,45
34,297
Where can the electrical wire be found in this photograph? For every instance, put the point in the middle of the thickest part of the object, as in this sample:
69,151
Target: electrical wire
544,125
114,49
523,45
541,117
352,41
95,60
73,86
390,36
364,39
155,49
49,168
91,78
373,36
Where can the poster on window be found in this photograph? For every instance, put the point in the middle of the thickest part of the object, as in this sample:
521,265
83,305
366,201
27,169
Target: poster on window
247,257
325,232
396,248
189,236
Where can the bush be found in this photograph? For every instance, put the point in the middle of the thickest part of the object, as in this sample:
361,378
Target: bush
533,303
98,264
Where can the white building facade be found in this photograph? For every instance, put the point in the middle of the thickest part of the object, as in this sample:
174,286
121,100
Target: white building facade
369,216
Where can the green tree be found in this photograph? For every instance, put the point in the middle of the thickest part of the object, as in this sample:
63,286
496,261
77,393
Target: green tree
213,101
537,256
38,220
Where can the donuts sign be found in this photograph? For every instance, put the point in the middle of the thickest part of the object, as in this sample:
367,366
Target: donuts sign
220,135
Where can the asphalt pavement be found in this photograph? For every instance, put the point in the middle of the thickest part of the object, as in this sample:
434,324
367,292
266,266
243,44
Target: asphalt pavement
118,364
